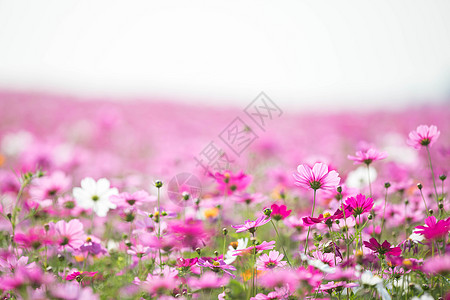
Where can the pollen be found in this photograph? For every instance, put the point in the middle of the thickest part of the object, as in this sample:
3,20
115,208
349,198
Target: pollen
326,215
216,263
234,245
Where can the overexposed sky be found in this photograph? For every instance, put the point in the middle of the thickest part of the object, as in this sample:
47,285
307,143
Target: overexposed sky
301,53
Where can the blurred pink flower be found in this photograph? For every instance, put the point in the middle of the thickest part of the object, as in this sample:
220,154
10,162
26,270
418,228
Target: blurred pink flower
230,183
279,212
434,230
208,280
367,156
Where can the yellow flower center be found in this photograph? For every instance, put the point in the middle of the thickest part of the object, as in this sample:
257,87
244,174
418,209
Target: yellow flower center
216,263
234,245
211,212
407,262
326,215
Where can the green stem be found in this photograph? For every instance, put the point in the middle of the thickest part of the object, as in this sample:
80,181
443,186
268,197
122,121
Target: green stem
309,228
384,213
432,174
368,177
279,241
424,202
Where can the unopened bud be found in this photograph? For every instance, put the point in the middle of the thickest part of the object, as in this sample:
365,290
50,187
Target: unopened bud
387,185
370,217
443,177
339,189
198,250
419,186
268,212
225,231
431,212
158,184
216,253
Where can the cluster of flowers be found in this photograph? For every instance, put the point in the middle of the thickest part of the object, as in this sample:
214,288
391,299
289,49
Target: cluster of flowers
317,233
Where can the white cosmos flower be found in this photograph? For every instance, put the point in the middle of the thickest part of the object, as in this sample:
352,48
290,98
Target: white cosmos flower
358,178
95,194
229,258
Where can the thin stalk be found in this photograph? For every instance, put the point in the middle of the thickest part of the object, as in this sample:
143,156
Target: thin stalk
384,212
309,228
279,241
432,174
368,177
334,245
424,202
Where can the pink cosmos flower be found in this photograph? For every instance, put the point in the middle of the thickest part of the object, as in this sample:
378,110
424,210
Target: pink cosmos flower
252,225
208,280
79,275
139,250
326,218
259,248
316,178
49,187
423,136
34,238
69,235
367,156
188,233
434,230
437,265
230,183
138,198
248,198
382,249
279,212
217,265
271,261
359,205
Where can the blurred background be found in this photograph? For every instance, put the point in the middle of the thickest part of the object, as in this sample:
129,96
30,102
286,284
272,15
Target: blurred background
306,55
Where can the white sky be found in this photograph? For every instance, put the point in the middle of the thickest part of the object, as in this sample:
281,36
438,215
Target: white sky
301,53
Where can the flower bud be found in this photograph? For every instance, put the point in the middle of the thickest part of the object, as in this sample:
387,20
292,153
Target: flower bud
268,212
185,196
198,250
419,186
225,231
387,185
431,212
158,184
339,189
443,177
441,206
370,217
216,253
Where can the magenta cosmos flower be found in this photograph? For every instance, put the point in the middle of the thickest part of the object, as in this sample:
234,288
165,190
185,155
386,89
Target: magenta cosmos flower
434,230
367,156
423,136
326,218
382,249
251,225
230,183
279,212
359,205
271,261
316,178
217,265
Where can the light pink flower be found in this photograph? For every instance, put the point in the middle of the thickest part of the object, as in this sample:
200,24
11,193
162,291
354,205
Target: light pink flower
316,178
251,225
367,156
423,136
434,230
70,235
271,261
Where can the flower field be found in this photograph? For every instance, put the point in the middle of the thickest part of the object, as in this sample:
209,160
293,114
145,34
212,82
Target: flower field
152,200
